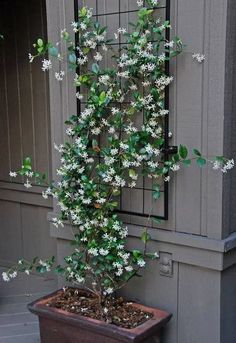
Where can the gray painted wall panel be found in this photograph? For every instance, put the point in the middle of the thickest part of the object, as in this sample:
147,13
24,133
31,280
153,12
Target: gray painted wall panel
190,25
25,128
228,305
198,301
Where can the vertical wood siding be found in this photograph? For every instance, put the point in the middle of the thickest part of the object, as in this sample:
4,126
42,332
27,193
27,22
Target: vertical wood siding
24,131
24,103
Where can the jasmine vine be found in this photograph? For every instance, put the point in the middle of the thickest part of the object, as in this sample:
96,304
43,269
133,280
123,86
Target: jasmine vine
107,149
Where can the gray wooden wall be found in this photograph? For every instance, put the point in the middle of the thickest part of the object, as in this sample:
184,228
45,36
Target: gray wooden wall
24,131
199,238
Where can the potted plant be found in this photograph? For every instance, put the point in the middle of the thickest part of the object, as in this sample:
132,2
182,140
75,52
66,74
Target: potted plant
107,149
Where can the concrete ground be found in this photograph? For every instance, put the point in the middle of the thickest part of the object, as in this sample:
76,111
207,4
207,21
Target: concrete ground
17,324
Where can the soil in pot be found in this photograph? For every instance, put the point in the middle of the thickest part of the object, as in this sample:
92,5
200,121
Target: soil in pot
113,310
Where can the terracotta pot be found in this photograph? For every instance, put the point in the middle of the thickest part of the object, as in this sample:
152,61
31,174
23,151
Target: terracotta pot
59,326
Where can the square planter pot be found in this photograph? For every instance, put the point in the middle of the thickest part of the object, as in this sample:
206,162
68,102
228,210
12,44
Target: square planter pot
59,326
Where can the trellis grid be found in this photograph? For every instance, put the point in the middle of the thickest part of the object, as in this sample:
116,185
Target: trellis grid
124,209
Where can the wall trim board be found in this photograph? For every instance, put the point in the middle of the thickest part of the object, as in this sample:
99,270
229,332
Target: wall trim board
34,199
189,249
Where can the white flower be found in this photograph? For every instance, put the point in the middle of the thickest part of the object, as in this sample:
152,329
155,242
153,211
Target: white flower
154,2
59,75
57,222
27,184
109,290
29,174
132,184
47,64
216,165
140,3
151,66
5,277
115,110
112,130
105,310
96,131
31,58
146,83
162,113
124,74
104,79
169,44
101,201
82,60
74,26
198,57
13,274
121,30
44,195
70,131
175,167
119,272
133,87
124,146
13,174
229,165
141,263
163,81
83,26
167,178
98,57
129,268
80,279
103,252
93,251
79,96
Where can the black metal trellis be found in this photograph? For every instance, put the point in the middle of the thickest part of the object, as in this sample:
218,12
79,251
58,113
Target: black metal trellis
167,149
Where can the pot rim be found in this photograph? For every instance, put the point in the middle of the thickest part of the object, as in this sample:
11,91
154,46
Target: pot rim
145,330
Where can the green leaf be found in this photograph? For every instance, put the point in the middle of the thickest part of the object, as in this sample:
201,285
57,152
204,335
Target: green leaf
156,220
59,270
83,12
53,51
95,68
145,237
27,163
220,158
132,173
187,162
116,192
152,256
72,58
40,42
136,253
102,97
201,161
156,192
197,152
183,151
